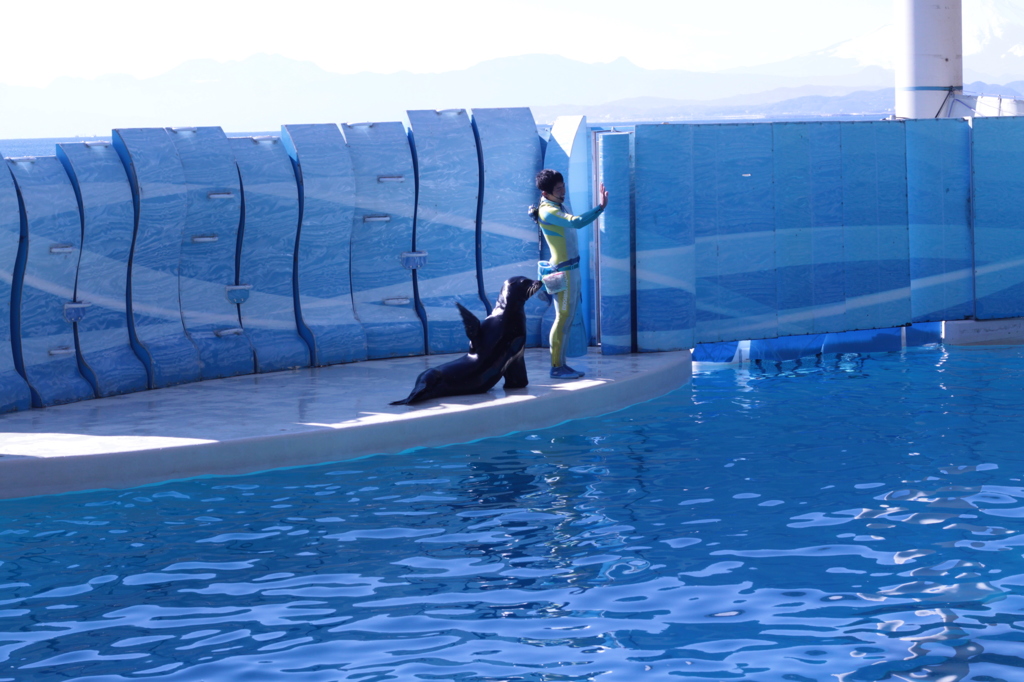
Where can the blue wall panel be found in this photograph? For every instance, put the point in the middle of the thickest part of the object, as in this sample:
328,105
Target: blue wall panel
997,149
108,222
734,230
809,228
209,242
616,227
876,242
385,201
448,172
158,190
327,186
938,208
267,254
14,392
665,264
938,204
510,157
43,338
568,152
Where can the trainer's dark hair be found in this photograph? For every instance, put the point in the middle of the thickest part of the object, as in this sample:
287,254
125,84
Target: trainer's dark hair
547,179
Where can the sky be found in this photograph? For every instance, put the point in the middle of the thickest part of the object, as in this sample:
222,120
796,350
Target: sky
47,39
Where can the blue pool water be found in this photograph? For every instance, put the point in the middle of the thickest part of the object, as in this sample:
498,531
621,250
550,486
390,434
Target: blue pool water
858,519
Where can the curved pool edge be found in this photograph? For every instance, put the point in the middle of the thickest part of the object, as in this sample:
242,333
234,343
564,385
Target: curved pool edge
255,423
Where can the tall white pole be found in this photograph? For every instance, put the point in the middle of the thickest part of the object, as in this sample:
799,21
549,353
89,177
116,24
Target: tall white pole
929,60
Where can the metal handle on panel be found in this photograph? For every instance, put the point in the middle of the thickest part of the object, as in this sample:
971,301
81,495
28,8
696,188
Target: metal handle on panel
265,138
390,178
376,218
396,300
361,124
219,195
450,112
62,350
22,159
204,238
97,143
62,248
185,129
233,331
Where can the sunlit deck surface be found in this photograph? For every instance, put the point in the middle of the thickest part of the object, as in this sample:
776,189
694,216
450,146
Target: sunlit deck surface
259,422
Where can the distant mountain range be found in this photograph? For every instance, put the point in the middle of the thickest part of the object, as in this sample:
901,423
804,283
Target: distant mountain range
858,104
264,91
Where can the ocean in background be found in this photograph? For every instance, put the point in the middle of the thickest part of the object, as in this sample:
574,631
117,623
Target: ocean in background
46,146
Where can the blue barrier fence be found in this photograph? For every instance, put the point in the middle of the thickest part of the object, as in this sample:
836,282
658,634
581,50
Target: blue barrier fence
616,245
266,255
159,196
43,338
998,202
382,230
213,213
98,312
171,255
14,391
448,190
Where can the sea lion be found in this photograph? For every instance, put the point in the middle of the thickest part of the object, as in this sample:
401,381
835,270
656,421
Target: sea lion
496,348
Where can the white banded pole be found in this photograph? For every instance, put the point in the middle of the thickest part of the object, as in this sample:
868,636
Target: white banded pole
929,61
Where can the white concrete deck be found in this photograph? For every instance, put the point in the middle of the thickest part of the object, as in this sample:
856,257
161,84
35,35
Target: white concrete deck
260,422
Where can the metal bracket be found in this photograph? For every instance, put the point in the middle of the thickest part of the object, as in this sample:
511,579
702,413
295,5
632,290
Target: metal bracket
75,311
238,294
413,260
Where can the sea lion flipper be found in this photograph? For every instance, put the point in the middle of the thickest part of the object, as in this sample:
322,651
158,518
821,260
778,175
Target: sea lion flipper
472,325
426,387
515,374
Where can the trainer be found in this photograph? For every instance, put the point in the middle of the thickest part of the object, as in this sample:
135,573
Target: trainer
559,231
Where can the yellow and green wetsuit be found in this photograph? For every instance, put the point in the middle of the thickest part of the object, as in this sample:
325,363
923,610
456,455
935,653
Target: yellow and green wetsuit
559,230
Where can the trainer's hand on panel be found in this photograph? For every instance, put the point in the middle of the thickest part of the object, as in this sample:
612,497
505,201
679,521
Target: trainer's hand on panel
603,201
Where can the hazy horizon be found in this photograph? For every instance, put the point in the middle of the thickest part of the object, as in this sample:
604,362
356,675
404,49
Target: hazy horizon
249,66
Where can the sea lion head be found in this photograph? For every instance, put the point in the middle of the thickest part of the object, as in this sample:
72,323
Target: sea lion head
516,290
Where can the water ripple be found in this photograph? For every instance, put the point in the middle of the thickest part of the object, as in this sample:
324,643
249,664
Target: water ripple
760,525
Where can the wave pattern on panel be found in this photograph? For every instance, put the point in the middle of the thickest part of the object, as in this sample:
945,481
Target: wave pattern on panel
99,312
997,148
616,227
510,158
448,170
266,253
14,392
665,266
327,190
44,340
382,230
209,242
938,209
158,190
